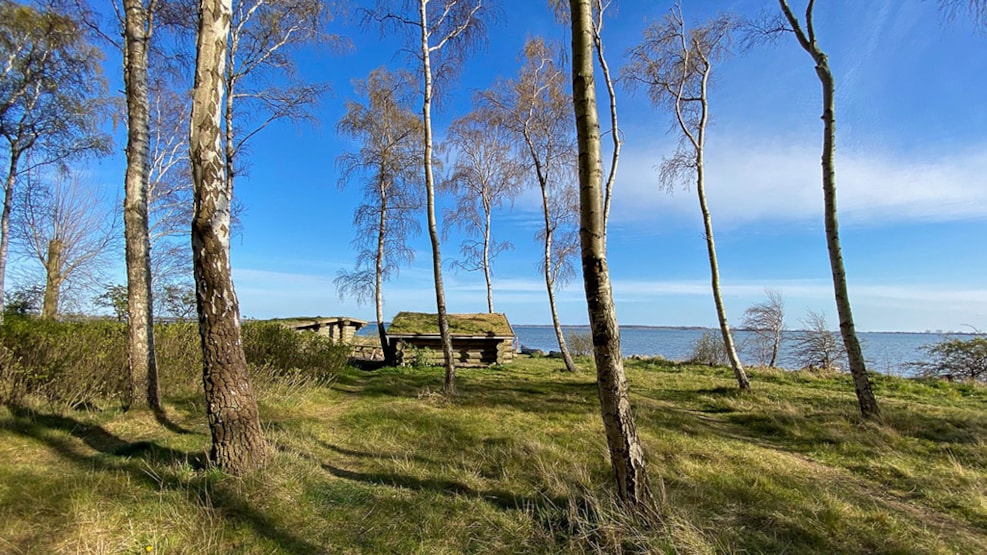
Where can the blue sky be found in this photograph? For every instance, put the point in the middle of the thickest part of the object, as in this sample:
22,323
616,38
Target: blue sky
911,175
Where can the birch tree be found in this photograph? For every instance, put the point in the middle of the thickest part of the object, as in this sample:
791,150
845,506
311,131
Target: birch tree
858,368
389,134
52,99
261,77
626,453
535,108
169,188
138,29
675,64
485,176
238,444
70,231
441,33
598,9
139,23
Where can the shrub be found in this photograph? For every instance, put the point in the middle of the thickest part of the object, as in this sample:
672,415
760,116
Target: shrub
818,348
66,364
956,359
280,351
580,344
709,349
13,383
419,358
179,354
84,364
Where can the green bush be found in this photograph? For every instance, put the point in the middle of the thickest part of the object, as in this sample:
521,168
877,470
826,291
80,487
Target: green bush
13,379
960,359
288,353
66,364
84,364
178,350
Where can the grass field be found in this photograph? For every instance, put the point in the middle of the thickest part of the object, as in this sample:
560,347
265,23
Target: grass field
379,462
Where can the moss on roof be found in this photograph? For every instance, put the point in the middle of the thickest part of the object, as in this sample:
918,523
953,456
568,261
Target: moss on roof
423,323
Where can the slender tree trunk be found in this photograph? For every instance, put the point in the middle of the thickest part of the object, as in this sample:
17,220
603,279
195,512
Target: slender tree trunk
775,347
8,204
140,305
449,387
390,357
228,129
570,365
237,440
486,255
615,129
542,173
858,368
53,280
626,453
714,273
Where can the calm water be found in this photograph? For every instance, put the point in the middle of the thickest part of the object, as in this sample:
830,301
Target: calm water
888,353
885,352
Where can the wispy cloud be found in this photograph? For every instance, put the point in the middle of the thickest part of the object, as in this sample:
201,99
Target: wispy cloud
752,180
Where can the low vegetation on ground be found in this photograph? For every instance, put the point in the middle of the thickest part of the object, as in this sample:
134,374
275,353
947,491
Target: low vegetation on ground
379,462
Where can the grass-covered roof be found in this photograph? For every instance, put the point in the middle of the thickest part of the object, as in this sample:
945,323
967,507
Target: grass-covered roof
295,321
424,323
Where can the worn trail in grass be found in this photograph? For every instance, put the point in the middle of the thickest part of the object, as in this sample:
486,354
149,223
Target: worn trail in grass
380,462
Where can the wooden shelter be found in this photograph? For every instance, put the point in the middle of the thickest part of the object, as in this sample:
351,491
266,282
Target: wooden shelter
477,339
340,329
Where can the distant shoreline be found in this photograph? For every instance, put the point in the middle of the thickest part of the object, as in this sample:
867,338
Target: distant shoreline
703,328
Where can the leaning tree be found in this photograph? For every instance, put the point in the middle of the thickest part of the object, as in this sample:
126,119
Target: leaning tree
676,63
238,444
808,41
626,452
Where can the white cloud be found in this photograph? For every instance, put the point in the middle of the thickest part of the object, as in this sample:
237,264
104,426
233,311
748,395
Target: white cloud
752,180
876,306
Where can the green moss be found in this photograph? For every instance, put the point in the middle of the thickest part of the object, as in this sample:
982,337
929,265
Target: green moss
422,323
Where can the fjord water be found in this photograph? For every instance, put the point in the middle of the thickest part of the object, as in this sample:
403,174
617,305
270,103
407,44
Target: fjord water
885,352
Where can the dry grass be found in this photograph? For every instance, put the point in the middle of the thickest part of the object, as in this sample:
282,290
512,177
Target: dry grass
517,464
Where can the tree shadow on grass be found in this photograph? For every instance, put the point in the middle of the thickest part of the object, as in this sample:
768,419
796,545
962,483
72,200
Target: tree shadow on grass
31,423
388,382
499,498
955,428
502,499
161,416
560,398
147,463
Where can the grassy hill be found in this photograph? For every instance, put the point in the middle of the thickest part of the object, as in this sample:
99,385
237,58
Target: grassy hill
378,462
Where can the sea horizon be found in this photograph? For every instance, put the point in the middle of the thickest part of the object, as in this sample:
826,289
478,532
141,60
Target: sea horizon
714,328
